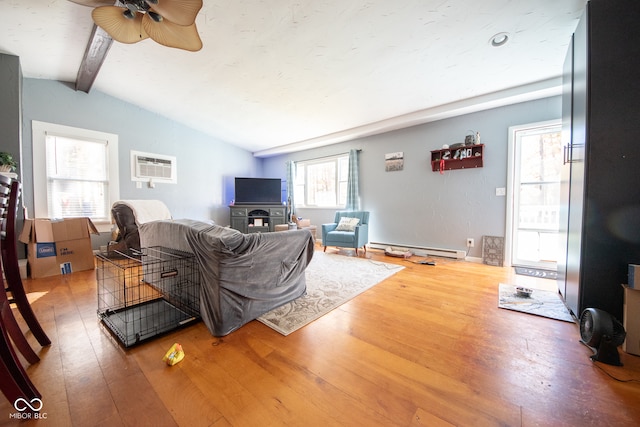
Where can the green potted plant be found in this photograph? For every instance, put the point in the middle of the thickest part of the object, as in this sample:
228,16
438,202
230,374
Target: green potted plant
7,164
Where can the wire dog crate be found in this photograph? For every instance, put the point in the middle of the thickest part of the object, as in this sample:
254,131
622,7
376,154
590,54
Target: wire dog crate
142,294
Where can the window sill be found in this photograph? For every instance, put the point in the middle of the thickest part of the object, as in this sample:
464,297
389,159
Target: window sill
103,226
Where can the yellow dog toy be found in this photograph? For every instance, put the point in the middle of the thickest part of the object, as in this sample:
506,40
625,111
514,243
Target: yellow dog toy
174,355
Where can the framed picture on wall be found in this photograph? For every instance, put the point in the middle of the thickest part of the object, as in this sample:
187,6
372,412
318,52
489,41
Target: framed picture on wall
394,161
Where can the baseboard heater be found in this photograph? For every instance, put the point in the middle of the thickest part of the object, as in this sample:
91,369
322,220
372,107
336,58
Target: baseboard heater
421,250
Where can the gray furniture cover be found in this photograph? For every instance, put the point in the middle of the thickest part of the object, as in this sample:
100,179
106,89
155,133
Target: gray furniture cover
130,214
242,276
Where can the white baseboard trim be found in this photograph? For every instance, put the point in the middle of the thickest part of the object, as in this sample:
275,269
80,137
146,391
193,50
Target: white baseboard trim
421,250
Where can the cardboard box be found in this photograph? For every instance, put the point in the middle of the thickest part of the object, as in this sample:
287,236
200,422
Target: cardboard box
58,246
303,223
631,320
634,276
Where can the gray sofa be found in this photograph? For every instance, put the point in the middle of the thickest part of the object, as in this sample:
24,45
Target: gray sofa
242,276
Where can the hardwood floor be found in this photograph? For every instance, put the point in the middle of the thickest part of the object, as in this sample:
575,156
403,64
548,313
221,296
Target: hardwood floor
428,346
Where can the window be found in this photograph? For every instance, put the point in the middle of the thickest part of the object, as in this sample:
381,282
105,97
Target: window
322,182
75,173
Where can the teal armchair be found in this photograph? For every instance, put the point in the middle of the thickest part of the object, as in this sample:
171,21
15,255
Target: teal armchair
345,236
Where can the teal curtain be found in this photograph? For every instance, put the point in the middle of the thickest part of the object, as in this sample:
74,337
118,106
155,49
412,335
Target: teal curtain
353,195
291,170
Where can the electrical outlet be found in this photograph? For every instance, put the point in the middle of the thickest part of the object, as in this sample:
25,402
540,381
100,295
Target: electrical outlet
470,242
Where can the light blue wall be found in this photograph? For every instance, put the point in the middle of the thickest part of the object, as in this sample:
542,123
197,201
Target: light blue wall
413,207
419,207
206,166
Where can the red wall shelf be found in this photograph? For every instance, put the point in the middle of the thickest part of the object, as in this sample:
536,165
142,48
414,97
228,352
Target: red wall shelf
465,157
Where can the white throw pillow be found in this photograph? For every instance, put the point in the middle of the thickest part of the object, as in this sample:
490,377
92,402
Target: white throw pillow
347,224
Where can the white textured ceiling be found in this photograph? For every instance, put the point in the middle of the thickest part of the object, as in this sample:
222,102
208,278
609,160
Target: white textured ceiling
276,73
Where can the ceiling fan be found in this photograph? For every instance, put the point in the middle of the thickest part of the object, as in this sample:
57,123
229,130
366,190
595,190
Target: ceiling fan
168,22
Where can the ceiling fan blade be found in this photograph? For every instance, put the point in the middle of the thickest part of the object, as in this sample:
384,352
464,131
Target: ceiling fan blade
94,3
125,30
169,34
181,12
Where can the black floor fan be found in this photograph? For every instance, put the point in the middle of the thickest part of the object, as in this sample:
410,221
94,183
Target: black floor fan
603,333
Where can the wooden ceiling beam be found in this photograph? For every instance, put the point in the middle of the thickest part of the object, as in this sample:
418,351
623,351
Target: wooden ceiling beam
94,55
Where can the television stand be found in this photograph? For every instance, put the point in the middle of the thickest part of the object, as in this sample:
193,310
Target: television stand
257,218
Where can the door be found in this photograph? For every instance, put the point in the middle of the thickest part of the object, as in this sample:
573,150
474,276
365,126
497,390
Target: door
576,166
537,164
565,177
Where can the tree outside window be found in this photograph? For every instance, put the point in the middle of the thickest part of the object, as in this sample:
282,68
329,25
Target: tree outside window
322,182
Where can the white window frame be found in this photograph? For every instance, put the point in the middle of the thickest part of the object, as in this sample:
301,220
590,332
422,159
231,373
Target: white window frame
39,138
335,158
511,194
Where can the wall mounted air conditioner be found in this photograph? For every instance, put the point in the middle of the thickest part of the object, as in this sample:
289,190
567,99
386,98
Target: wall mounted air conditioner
148,167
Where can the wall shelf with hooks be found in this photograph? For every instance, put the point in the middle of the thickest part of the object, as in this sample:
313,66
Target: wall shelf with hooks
465,157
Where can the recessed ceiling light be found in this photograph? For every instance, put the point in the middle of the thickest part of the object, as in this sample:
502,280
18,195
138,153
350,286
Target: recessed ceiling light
499,39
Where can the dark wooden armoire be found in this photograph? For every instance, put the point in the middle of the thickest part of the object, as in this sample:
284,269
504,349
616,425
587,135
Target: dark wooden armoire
600,212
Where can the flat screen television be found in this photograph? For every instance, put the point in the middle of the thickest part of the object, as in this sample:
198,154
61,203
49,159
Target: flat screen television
258,191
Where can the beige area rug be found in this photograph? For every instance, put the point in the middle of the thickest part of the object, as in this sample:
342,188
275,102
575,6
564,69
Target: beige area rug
541,303
332,280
